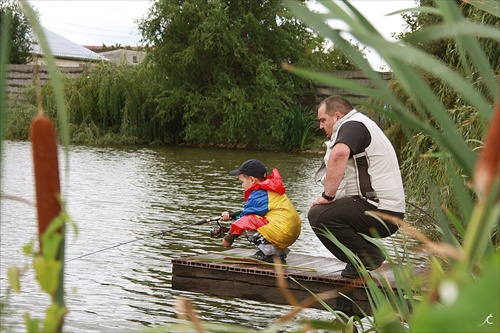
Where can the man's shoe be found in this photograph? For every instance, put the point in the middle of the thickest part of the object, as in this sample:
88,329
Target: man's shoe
375,263
350,272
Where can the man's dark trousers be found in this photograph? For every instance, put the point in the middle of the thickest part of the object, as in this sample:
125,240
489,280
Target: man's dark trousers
345,218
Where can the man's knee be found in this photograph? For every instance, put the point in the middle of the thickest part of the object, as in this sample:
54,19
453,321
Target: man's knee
314,215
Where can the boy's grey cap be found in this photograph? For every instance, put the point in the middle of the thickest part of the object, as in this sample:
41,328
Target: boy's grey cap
253,168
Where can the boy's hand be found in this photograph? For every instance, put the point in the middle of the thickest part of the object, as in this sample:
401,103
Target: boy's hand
225,216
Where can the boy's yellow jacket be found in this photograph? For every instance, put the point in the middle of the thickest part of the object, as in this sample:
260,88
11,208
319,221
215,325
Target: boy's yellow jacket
280,223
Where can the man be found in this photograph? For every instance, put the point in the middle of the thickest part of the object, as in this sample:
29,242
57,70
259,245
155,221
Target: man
360,173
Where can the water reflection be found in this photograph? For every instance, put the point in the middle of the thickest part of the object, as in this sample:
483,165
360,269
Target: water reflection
150,199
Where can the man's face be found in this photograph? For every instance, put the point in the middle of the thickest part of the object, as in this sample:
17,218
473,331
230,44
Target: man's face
326,121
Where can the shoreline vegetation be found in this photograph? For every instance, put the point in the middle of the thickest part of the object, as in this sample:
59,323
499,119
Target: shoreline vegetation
113,140
105,119
111,104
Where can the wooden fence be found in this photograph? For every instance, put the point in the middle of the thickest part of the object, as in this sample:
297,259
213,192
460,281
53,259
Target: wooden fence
357,77
21,76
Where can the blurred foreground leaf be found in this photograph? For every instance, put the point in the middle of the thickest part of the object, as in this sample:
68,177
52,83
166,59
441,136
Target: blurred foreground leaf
476,309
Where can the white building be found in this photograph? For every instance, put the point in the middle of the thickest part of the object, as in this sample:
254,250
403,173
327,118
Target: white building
124,56
65,52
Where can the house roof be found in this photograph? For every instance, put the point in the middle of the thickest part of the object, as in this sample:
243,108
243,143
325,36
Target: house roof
64,48
104,48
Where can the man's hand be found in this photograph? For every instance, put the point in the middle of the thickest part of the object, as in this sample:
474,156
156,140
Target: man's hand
320,201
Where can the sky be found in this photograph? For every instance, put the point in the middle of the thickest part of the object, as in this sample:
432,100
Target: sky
110,22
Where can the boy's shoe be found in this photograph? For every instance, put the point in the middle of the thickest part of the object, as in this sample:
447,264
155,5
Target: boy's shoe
283,253
259,255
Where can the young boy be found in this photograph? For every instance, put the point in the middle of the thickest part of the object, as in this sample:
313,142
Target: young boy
268,219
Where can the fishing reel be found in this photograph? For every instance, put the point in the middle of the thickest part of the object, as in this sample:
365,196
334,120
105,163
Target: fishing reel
219,231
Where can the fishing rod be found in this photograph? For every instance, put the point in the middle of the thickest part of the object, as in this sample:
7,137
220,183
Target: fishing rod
232,215
214,219
220,230
120,244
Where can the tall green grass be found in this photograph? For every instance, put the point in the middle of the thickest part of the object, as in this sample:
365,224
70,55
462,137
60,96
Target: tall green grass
463,267
297,128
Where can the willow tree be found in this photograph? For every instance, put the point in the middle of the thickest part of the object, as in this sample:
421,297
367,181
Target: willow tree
221,62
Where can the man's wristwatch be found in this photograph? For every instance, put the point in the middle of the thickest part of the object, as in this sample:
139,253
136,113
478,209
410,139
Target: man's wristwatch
327,197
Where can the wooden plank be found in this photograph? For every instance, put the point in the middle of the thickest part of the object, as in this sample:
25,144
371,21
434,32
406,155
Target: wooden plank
213,275
263,289
208,274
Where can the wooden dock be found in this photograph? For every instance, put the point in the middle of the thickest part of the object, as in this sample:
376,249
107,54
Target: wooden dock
227,274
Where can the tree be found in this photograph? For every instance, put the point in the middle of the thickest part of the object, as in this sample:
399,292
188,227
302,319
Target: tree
220,62
20,31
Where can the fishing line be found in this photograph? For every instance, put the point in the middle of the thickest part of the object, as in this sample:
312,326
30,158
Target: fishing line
422,211
120,244
231,214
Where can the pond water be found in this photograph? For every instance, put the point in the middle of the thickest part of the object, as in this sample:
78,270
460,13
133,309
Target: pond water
130,195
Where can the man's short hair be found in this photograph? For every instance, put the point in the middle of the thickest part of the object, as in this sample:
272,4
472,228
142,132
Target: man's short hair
336,104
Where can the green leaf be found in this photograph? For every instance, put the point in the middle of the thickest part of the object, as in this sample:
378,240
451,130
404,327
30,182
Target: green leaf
417,10
387,319
485,216
51,245
53,236
32,325
349,328
47,273
28,249
5,44
54,318
490,6
469,44
453,30
13,274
